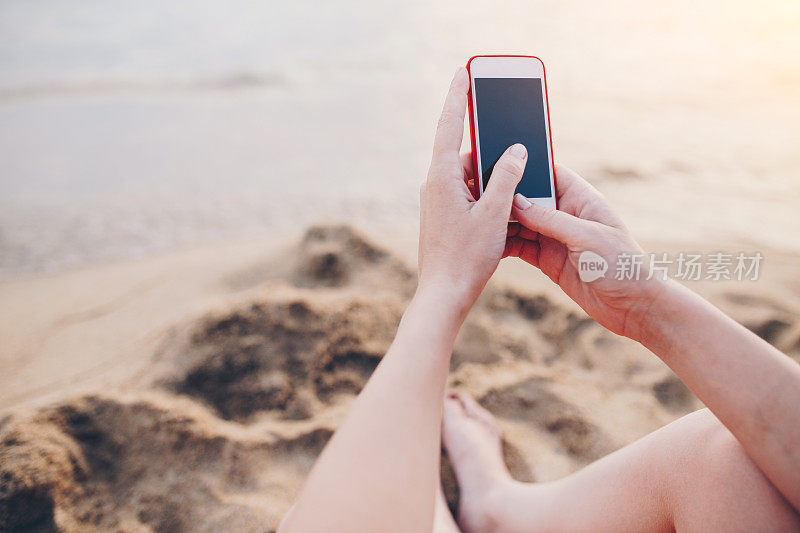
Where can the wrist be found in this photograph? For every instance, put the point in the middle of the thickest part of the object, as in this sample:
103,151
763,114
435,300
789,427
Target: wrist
450,298
645,320
433,319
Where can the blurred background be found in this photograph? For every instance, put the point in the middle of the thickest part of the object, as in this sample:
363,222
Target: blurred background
208,221
130,128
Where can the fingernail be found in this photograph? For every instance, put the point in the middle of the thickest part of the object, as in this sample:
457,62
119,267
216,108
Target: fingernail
521,203
518,150
451,395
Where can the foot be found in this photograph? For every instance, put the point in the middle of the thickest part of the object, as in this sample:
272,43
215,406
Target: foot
475,448
443,521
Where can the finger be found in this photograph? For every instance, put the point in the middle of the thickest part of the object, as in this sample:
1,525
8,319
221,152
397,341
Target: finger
559,225
469,174
466,164
507,249
515,229
507,171
513,245
526,250
525,233
450,129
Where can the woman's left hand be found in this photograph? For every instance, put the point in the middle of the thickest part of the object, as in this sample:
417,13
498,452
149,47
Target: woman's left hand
462,240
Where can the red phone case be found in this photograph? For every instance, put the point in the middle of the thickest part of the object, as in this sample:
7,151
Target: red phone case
476,173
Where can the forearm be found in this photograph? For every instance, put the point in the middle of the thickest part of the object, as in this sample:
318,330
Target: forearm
750,386
378,473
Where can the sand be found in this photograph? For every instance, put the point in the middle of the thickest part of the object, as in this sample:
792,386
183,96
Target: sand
193,391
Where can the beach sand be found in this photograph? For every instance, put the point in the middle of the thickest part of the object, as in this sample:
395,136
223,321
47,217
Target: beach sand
194,390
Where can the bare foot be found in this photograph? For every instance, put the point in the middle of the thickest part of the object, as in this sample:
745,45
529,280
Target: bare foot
475,448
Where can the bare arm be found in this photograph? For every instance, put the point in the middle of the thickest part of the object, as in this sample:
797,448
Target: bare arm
750,386
379,471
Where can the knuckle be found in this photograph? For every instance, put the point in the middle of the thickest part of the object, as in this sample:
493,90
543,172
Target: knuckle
455,92
506,172
445,153
538,217
443,167
495,204
435,186
547,216
509,168
447,117
439,150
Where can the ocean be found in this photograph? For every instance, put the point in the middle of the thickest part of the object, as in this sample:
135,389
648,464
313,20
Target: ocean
133,128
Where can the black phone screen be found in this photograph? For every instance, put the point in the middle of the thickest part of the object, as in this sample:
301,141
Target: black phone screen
509,111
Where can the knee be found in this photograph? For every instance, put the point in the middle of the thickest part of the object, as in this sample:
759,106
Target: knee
721,475
713,442
716,455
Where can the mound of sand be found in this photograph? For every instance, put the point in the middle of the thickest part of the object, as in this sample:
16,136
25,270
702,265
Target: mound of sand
238,402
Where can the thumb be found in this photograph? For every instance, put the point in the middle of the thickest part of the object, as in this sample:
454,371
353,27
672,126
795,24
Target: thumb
503,181
558,225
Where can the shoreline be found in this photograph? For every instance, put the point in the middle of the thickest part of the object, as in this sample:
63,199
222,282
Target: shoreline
105,321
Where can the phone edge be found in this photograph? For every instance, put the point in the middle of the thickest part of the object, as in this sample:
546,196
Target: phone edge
477,188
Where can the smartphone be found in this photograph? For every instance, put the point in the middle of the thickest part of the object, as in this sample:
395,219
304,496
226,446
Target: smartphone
508,105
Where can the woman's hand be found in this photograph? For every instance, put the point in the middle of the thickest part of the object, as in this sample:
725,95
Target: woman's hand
554,241
462,240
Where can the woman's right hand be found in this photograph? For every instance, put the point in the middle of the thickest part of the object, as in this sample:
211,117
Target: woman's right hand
555,241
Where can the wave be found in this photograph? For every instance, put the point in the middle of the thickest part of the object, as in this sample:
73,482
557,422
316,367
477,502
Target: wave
226,82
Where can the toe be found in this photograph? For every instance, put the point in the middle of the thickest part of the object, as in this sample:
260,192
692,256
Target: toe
455,421
470,405
476,410
474,447
453,412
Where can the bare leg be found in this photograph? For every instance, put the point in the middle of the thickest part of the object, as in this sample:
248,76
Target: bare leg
691,474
